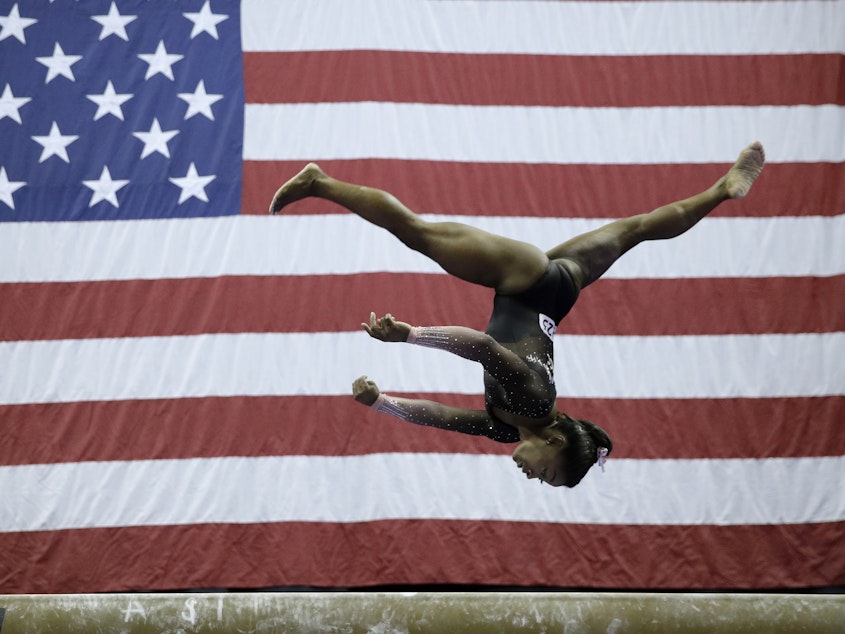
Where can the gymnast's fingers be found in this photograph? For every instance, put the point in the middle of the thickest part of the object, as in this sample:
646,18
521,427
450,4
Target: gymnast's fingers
370,327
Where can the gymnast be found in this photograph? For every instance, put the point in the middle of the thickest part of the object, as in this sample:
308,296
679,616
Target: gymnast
533,292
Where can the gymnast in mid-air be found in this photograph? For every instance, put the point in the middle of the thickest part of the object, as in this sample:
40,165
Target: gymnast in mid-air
533,292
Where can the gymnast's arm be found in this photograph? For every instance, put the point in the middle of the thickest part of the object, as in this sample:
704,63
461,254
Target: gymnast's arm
433,414
505,366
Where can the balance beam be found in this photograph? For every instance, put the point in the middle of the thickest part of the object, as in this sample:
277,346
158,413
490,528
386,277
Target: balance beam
411,612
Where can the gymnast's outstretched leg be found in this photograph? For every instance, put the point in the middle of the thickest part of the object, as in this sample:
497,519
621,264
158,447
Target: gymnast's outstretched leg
594,252
507,265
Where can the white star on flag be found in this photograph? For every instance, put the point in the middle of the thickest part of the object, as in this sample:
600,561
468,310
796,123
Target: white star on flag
199,102
59,64
109,102
10,105
160,62
105,188
7,188
113,23
192,185
55,143
155,140
13,25
205,21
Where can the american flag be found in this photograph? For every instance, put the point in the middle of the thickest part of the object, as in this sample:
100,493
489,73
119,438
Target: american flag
175,365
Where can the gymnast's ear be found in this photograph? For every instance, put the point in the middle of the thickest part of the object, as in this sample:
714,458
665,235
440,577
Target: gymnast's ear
557,439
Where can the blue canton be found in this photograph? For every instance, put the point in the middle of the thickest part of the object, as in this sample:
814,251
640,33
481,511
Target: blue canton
120,109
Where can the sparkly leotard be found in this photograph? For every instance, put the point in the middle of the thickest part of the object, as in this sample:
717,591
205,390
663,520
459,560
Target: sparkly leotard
518,369
525,324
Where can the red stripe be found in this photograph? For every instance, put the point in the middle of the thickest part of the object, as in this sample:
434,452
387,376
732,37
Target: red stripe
553,190
270,426
403,552
135,308
544,80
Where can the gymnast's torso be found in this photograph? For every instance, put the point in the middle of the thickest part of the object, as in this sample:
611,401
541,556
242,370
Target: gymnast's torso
525,324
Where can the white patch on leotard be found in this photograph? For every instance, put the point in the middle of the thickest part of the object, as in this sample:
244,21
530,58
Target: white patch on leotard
547,325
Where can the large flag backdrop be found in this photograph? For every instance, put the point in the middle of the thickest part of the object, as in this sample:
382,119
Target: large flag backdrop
175,365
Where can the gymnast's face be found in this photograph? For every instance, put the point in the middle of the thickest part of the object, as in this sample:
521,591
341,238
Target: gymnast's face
539,458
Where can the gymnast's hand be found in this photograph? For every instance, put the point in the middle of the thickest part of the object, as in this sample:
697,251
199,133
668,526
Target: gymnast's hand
365,391
387,328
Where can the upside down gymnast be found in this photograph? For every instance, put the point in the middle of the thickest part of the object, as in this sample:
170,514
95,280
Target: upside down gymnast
534,291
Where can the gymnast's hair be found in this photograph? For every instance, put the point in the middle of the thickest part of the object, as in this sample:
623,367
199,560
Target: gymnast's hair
583,439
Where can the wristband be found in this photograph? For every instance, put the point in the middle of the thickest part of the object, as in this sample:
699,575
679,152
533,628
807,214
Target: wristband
428,336
384,403
379,402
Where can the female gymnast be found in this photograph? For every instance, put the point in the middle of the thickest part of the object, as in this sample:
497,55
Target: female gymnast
534,291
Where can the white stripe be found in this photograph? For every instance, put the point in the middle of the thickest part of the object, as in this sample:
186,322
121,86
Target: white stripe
540,134
342,244
394,486
541,27
326,363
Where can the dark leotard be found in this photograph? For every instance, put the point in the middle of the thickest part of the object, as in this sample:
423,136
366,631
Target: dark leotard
525,323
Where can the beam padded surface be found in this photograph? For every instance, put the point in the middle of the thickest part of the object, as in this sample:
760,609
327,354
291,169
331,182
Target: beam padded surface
455,612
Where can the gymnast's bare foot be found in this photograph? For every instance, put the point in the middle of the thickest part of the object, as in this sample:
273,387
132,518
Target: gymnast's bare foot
745,171
297,188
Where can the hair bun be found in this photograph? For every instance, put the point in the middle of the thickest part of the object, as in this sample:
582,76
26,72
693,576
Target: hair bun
597,435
